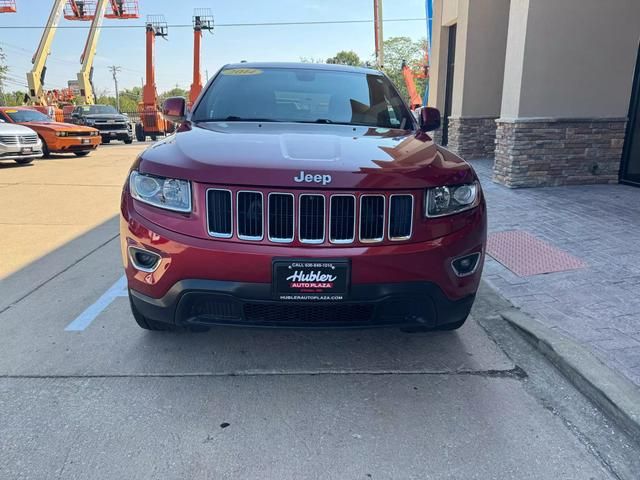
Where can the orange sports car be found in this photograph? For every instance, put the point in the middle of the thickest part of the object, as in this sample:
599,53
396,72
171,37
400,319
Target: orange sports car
56,137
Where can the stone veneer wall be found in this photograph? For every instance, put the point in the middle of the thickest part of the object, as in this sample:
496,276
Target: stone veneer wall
472,137
550,152
437,136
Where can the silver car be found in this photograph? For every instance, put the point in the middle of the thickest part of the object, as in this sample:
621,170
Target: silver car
18,143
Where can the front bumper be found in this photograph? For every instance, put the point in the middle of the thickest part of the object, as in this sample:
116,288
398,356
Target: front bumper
116,134
210,302
14,152
212,282
74,144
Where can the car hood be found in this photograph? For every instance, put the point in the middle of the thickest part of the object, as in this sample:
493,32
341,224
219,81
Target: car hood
13,129
57,126
274,154
105,116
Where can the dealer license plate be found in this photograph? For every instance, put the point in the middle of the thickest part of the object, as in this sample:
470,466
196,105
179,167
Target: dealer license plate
305,280
85,141
26,150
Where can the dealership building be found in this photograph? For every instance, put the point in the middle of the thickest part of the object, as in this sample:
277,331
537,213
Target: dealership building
550,89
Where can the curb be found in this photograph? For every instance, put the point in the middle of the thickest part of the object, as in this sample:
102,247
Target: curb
608,389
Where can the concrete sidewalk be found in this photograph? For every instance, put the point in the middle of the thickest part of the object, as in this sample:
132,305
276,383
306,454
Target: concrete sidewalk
599,306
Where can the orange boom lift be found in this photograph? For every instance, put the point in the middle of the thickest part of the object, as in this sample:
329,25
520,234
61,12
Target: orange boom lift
202,20
151,122
409,79
8,6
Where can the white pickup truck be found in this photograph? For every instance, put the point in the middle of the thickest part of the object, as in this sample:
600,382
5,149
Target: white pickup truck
18,143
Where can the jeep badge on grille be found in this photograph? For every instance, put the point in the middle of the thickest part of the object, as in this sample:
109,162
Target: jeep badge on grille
310,178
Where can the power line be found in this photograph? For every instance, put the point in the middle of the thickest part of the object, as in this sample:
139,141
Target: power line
220,25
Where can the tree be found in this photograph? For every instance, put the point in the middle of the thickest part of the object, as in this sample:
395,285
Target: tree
399,49
174,92
345,57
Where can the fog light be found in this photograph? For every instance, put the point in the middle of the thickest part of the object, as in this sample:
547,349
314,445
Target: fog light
467,265
144,260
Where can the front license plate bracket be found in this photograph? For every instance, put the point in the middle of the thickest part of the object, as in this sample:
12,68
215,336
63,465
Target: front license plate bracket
311,280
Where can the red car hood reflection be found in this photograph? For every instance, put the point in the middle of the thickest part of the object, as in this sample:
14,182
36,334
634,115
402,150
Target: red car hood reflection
272,154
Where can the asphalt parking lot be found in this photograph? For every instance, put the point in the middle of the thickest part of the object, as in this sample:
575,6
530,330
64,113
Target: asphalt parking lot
85,393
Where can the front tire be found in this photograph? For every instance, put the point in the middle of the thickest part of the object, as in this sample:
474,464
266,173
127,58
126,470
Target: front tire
24,161
81,154
447,327
140,135
128,141
45,149
452,326
146,323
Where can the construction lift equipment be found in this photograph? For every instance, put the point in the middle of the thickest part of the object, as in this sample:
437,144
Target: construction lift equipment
123,9
151,122
97,12
80,10
415,100
85,75
202,20
35,78
8,6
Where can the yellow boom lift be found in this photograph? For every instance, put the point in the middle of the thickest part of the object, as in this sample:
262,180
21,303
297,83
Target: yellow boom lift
35,78
96,12
85,75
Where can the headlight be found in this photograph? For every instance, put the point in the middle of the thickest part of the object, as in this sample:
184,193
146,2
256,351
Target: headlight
443,201
94,133
167,193
62,134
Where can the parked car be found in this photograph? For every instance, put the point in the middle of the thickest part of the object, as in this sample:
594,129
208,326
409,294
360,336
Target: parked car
300,195
18,143
112,124
56,137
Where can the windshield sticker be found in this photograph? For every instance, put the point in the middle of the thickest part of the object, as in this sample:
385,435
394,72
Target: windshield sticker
11,111
242,71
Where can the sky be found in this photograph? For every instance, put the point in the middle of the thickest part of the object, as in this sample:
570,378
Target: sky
125,47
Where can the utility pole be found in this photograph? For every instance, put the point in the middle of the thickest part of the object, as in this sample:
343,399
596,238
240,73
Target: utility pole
114,71
379,38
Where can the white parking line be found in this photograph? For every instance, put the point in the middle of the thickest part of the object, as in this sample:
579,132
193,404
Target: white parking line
118,289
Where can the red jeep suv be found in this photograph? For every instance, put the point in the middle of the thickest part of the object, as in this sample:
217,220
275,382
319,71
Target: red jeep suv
301,195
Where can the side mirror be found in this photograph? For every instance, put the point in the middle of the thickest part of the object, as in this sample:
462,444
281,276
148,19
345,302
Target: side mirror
429,119
174,109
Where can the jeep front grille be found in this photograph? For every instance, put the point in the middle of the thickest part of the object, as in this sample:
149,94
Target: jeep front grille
219,213
249,215
281,217
342,215
400,210
372,218
309,218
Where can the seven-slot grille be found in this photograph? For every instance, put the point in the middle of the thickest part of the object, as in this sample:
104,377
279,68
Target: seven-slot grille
369,218
19,139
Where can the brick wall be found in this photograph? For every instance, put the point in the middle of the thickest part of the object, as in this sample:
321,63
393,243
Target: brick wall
550,152
472,138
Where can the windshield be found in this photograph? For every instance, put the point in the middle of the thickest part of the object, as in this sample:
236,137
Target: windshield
98,109
305,96
21,116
